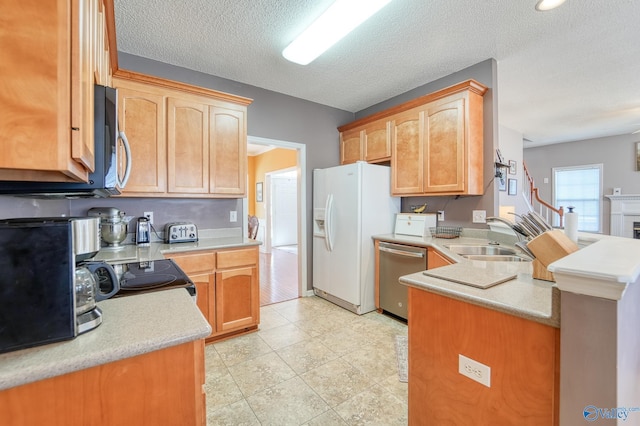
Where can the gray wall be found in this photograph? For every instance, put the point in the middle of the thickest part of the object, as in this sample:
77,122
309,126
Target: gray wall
458,209
616,153
277,116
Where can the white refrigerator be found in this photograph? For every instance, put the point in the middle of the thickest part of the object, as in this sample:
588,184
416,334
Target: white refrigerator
351,203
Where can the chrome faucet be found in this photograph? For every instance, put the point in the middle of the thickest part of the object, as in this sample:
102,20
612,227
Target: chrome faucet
508,223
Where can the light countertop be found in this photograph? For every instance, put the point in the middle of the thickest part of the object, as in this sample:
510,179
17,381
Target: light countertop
524,296
131,326
158,250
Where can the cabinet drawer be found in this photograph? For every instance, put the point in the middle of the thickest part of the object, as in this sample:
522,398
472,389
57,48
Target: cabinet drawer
195,262
234,258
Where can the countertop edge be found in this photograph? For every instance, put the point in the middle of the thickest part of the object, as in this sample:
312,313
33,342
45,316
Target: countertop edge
465,293
552,320
105,344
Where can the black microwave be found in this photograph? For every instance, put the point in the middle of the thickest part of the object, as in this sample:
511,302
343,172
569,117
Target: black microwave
105,179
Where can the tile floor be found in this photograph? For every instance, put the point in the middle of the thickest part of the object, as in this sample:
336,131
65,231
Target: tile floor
311,363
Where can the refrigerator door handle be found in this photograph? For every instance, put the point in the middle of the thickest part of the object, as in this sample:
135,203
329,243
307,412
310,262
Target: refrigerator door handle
328,223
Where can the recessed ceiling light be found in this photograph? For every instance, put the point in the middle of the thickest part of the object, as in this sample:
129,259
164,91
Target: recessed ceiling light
336,22
544,5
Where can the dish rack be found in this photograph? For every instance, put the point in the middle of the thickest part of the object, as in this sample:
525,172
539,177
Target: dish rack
447,232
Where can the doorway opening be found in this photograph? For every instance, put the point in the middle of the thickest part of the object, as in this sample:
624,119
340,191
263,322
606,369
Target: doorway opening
276,196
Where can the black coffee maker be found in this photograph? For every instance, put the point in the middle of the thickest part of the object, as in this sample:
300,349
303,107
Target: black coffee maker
49,286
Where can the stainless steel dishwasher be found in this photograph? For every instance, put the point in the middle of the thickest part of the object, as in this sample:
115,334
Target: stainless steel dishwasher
396,260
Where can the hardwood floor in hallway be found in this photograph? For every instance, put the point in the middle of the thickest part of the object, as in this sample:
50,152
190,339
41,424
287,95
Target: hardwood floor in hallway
278,275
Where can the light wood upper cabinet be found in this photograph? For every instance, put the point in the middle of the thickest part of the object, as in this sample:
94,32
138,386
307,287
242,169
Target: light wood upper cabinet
406,155
351,146
188,146
46,98
84,18
370,143
228,149
438,148
141,114
434,143
193,141
377,141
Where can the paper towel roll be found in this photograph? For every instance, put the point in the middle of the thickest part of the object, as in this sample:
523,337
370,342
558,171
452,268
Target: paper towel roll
571,225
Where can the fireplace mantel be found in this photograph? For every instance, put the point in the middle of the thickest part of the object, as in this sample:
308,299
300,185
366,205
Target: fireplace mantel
625,209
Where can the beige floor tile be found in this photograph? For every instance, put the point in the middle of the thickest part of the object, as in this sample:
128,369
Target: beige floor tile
270,318
236,414
288,403
328,418
240,349
283,336
221,391
376,361
336,381
396,388
213,365
260,373
344,340
374,406
306,355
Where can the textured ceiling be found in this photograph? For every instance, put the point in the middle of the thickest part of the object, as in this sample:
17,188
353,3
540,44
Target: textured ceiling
568,74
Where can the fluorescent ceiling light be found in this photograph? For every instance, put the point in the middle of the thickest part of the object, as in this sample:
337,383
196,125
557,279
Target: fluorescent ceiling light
336,22
544,5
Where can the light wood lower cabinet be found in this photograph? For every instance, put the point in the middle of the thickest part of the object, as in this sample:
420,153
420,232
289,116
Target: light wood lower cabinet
523,356
228,288
164,387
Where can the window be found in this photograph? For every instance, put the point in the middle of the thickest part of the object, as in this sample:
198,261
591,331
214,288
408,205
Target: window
580,187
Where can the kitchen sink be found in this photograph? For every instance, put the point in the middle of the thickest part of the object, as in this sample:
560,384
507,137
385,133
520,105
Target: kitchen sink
465,250
496,257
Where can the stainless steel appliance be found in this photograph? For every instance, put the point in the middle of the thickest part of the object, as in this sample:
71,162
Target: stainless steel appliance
48,286
143,231
397,260
180,232
113,227
105,180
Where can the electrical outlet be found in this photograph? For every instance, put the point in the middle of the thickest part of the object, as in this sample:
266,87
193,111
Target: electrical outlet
479,216
440,215
474,370
149,215
233,216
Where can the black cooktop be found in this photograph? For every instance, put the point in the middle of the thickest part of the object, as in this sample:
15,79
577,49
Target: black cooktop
154,275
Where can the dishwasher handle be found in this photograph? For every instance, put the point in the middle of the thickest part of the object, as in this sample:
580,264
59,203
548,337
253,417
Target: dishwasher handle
419,255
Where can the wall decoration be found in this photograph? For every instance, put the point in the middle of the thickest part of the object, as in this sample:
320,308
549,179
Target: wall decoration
512,167
259,192
513,187
502,183
637,156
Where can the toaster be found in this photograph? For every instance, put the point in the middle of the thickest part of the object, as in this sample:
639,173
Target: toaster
180,232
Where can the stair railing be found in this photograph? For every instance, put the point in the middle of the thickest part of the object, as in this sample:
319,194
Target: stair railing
545,209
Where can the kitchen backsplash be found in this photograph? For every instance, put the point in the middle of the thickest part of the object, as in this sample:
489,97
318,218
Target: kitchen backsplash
205,213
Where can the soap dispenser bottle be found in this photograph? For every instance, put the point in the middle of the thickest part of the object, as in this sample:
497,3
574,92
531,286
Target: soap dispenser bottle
143,232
